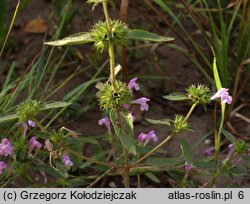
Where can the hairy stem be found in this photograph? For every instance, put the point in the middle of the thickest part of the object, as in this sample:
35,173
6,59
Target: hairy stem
111,46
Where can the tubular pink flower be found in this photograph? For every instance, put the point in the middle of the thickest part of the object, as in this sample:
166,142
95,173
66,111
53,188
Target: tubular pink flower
66,160
187,167
106,122
3,166
34,144
48,145
31,123
6,147
132,84
208,151
224,95
142,102
147,137
231,151
126,106
26,125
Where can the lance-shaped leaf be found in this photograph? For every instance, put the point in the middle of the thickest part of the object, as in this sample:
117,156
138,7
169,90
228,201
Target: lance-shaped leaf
177,96
186,151
56,104
123,126
137,34
7,118
159,122
76,39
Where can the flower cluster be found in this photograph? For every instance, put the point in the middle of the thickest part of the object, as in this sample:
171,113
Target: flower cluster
199,94
107,101
112,99
6,149
179,124
27,110
118,34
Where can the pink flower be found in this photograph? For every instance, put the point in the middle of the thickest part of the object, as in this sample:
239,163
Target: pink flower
105,121
5,147
223,94
26,125
208,151
34,144
248,152
142,102
231,151
126,106
31,123
66,160
3,166
187,167
147,137
48,145
132,84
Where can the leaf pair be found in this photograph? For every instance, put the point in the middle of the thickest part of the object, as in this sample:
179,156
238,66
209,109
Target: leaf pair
84,37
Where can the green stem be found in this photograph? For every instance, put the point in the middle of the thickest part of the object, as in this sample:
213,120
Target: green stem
111,46
112,64
10,28
126,169
164,141
190,112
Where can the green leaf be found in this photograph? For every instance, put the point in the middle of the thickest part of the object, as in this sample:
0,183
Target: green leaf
186,151
77,182
159,122
49,170
56,104
177,96
154,161
87,140
123,126
76,39
203,164
239,171
137,34
152,177
62,170
7,118
216,75
229,136
246,160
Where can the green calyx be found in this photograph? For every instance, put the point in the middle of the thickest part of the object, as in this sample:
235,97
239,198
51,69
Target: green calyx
27,110
110,98
179,124
240,146
199,94
56,136
102,37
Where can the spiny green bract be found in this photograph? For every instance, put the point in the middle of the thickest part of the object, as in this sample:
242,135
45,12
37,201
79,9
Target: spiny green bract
111,99
180,124
56,136
101,36
27,110
240,146
199,94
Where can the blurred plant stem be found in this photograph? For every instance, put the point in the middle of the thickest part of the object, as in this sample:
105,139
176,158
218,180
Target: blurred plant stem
111,46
